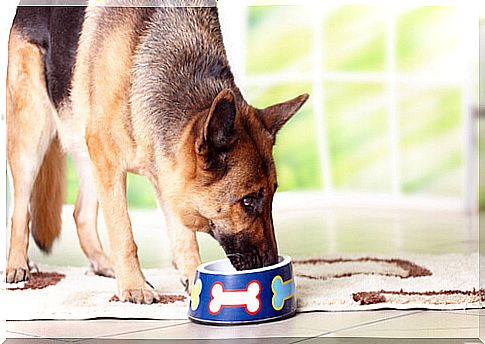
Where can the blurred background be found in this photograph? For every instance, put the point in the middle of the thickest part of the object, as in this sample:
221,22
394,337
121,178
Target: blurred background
387,145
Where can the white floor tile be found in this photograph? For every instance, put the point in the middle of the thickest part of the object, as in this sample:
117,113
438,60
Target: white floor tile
425,324
334,321
84,328
476,312
24,340
15,334
196,331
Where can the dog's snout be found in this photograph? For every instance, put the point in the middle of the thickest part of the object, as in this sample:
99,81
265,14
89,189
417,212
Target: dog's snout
270,259
251,257
269,256
245,261
248,250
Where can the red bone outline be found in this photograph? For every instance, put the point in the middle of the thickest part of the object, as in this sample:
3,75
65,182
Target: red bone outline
236,291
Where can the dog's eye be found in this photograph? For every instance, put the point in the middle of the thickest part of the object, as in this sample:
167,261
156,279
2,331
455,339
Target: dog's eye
249,204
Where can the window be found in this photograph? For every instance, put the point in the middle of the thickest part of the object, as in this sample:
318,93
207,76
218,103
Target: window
392,94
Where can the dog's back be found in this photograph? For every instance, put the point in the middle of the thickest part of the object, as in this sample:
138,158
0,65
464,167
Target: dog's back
56,31
161,38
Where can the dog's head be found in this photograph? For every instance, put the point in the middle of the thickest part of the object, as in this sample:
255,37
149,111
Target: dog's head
233,180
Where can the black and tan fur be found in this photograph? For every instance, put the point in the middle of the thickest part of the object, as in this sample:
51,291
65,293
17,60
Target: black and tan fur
146,90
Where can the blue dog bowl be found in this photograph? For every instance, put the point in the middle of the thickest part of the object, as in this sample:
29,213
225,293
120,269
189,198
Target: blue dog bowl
221,295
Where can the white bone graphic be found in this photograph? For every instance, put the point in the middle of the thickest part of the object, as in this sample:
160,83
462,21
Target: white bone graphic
247,298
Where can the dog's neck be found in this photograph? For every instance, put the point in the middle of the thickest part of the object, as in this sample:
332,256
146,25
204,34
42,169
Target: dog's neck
179,68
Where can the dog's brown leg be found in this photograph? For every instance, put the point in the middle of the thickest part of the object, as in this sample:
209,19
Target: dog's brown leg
111,186
185,249
30,131
86,217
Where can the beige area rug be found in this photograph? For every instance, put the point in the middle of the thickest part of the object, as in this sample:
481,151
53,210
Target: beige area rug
348,283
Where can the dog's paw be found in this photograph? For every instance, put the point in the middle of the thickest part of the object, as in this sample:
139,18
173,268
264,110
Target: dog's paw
18,269
187,266
32,266
101,266
145,295
17,274
185,284
188,283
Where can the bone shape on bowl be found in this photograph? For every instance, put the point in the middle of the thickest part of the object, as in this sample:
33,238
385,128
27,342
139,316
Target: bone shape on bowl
282,291
195,295
247,298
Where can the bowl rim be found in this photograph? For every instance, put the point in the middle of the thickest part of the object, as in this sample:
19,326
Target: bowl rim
203,267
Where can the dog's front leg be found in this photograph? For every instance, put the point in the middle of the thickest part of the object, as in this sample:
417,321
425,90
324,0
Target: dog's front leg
111,186
185,249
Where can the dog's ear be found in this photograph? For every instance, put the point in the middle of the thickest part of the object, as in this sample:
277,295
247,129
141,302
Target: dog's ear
275,116
217,134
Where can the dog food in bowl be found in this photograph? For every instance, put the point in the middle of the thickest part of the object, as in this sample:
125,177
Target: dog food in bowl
222,295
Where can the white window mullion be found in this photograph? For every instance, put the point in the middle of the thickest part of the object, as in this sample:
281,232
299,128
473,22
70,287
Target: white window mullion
394,153
318,101
232,16
468,103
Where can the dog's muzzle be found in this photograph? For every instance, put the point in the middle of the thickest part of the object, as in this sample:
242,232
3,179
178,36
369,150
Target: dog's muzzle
250,260
243,254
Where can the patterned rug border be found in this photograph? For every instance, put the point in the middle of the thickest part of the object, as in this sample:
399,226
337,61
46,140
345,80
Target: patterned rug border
373,297
413,270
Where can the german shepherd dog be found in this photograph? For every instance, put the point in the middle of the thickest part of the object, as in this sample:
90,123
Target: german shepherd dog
146,90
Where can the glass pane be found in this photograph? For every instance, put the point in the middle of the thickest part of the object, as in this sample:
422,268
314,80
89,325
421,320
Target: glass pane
140,192
354,39
428,40
296,151
431,140
278,38
357,125
72,182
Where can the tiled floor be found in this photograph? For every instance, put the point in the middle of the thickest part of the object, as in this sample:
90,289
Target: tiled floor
332,231
374,324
